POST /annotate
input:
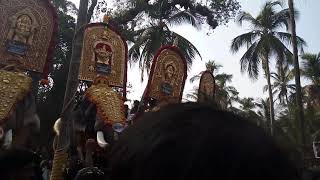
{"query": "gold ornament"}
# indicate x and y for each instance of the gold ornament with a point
(110, 107)
(26, 31)
(14, 86)
(106, 18)
(104, 54)
(167, 78)
(206, 87)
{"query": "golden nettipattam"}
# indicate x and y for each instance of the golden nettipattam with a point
(167, 76)
(26, 34)
(109, 103)
(14, 86)
(104, 53)
(206, 86)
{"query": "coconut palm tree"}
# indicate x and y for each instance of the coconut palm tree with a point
(281, 84)
(247, 107)
(264, 112)
(211, 66)
(158, 33)
(225, 95)
(295, 44)
(311, 70)
(247, 104)
(311, 67)
(263, 42)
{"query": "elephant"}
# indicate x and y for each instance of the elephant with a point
(89, 124)
(19, 122)
(22, 126)
(97, 119)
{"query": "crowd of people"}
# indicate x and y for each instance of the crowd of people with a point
(188, 141)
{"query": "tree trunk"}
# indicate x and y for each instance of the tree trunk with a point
(63, 140)
(267, 70)
(91, 9)
(72, 83)
(297, 73)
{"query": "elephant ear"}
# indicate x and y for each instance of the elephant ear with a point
(14, 87)
(109, 104)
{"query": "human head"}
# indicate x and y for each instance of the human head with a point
(103, 52)
(19, 164)
(126, 109)
(191, 142)
(169, 71)
(136, 103)
(90, 173)
(24, 23)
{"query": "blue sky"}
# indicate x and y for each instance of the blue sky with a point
(217, 47)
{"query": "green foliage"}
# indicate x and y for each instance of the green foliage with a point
(311, 71)
(282, 86)
(264, 40)
(311, 67)
(213, 12)
(211, 66)
(50, 98)
(151, 39)
(146, 24)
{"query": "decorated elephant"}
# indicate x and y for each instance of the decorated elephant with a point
(97, 119)
(18, 119)
(103, 62)
(27, 45)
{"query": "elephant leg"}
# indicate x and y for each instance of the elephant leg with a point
(19, 134)
(90, 148)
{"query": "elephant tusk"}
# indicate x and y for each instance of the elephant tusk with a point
(1, 132)
(8, 139)
(100, 139)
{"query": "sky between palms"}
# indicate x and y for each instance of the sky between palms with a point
(217, 47)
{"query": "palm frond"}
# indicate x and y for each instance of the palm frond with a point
(185, 17)
(280, 19)
(250, 61)
(311, 67)
(245, 39)
(223, 78)
(213, 66)
(287, 38)
(187, 48)
(247, 17)
(195, 78)
(134, 51)
(265, 88)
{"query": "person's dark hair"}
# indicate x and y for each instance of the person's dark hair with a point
(15, 160)
(90, 173)
(135, 107)
(192, 142)
(126, 109)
